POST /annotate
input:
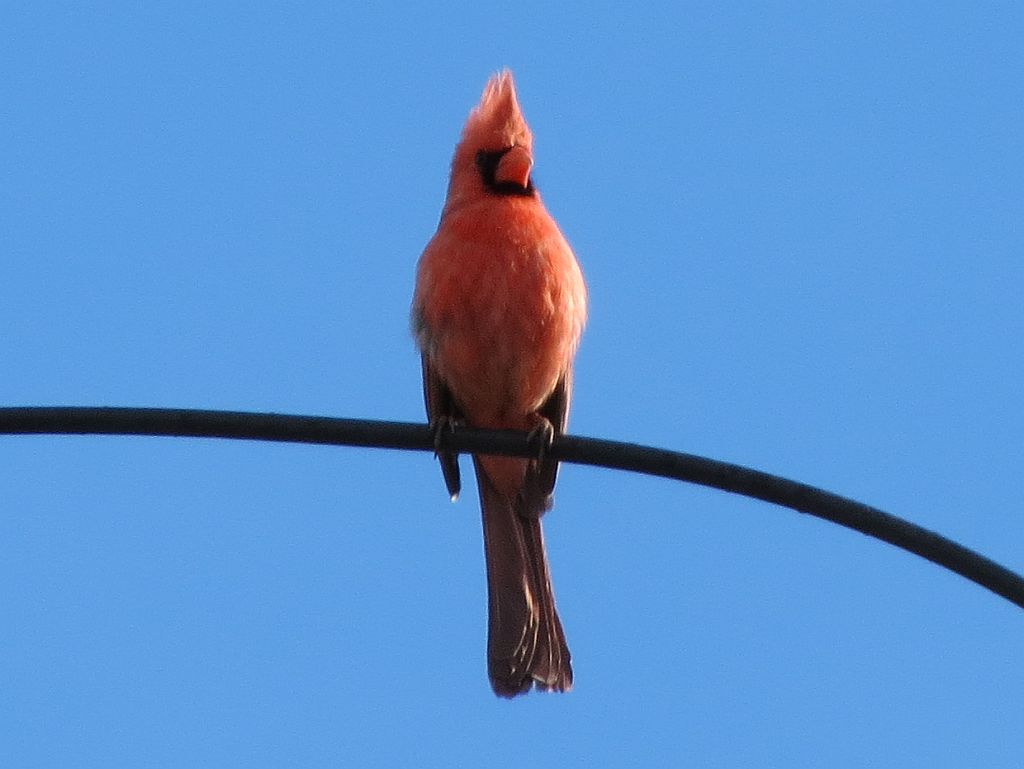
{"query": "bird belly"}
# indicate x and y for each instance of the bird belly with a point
(506, 318)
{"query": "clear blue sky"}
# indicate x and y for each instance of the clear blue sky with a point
(801, 228)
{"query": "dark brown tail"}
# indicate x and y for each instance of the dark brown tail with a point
(525, 641)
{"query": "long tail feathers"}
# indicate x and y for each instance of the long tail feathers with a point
(525, 642)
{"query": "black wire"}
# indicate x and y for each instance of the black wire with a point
(588, 451)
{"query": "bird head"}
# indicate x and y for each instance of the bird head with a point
(495, 154)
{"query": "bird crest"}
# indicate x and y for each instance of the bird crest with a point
(497, 121)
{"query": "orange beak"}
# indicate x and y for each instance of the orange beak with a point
(514, 167)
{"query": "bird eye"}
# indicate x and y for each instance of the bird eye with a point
(487, 162)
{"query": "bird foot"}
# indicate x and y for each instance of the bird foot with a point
(439, 426)
(541, 436)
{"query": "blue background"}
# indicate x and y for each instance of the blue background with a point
(801, 228)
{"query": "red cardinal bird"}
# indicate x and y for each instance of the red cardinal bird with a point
(498, 312)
